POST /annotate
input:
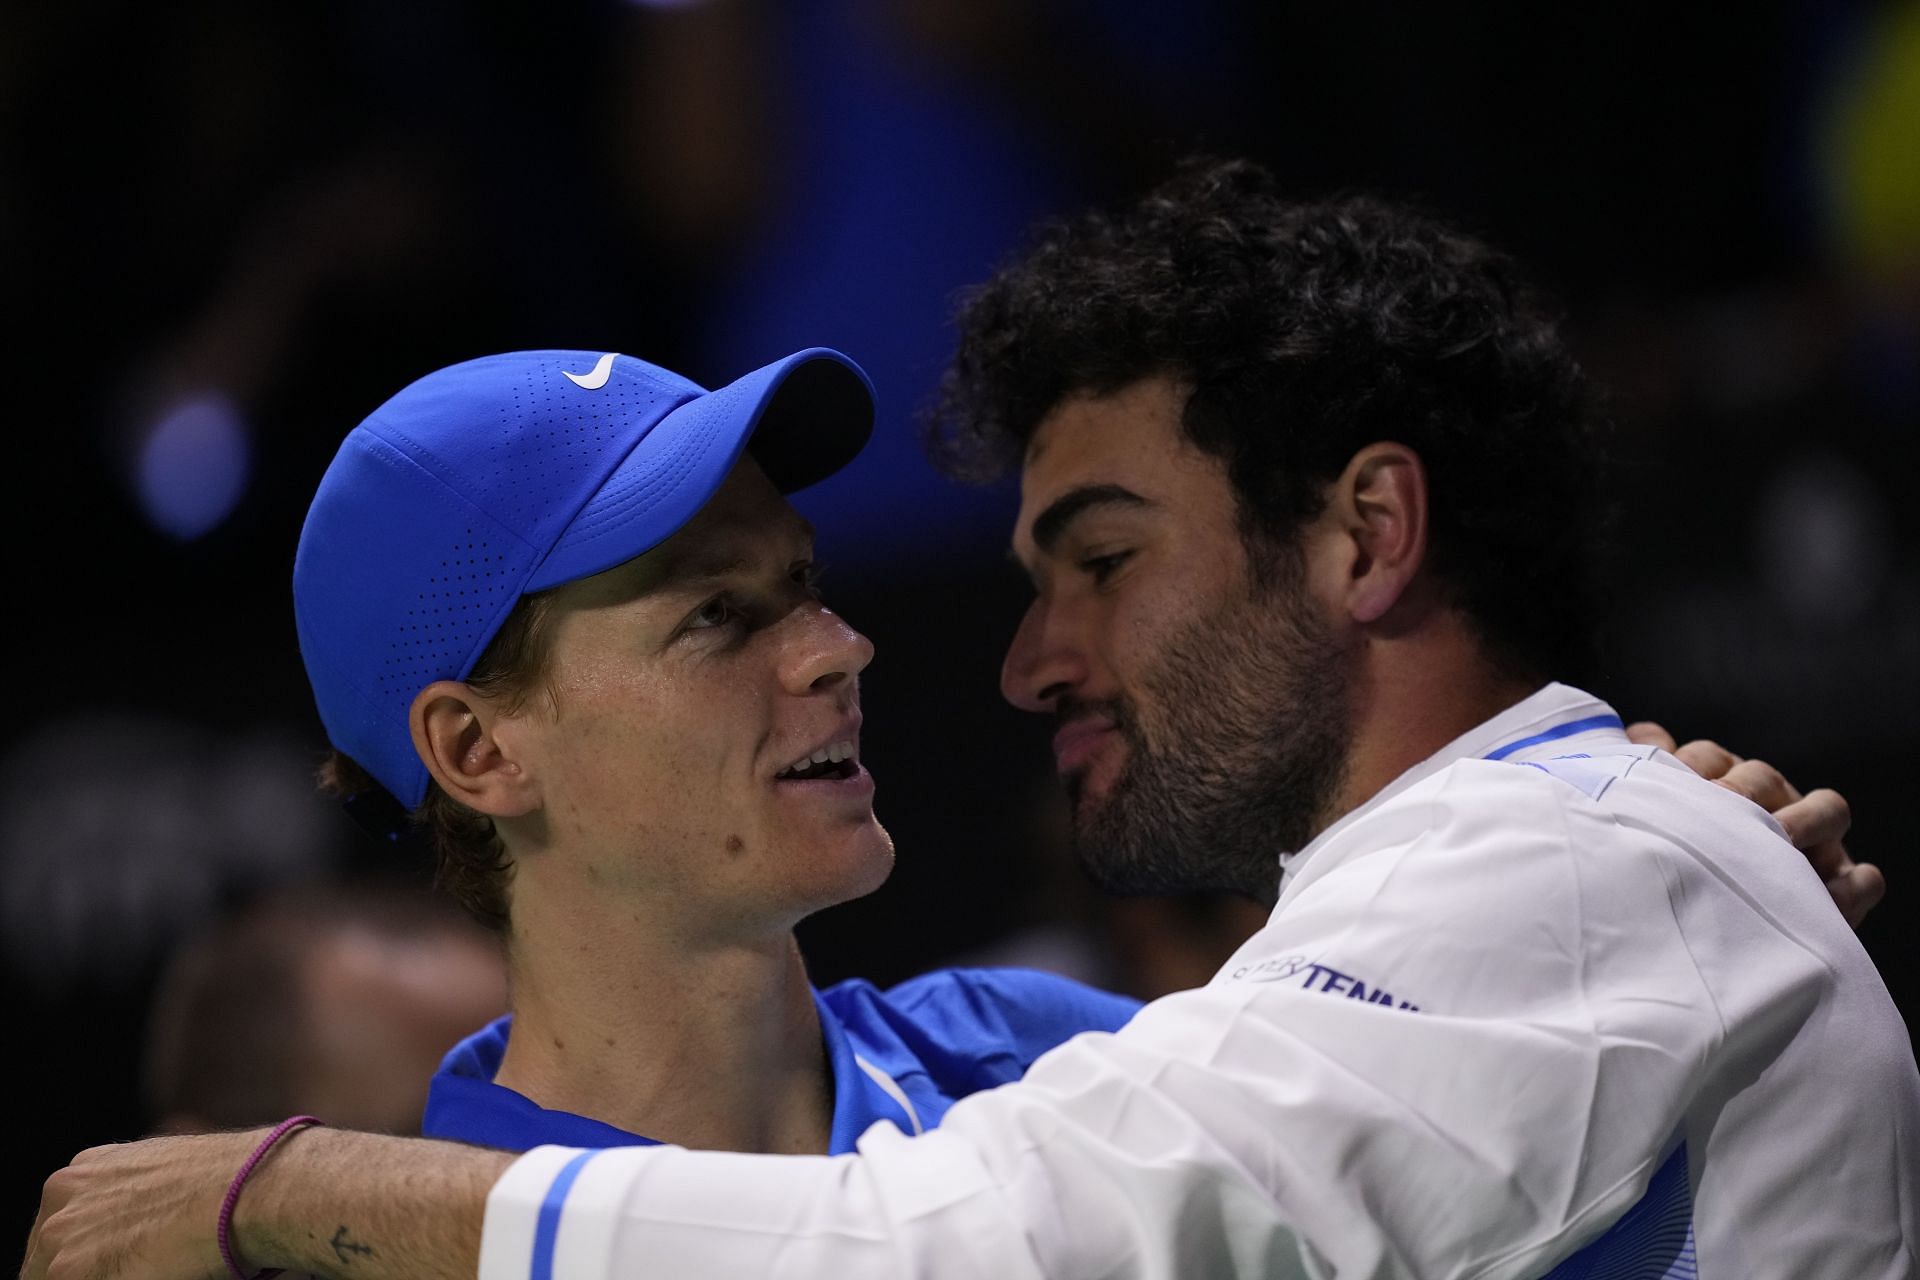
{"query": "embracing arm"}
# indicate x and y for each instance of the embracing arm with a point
(1162, 1141)
(1350, 1096)
(352, 1206)
(1355, 1093)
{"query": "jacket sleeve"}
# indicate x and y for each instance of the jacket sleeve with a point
(1461, 1047)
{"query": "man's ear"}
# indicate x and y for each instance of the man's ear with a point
(1379, 504)
(456, 733)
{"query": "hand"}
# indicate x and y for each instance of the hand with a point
(1814, 822)
(140, 1210)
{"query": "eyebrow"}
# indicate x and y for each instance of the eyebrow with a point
(702, 563)
(1051, 525)
(704, 568)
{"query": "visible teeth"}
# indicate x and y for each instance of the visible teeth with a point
(834, 752)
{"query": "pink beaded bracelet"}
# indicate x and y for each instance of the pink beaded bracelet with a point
(224, 1231)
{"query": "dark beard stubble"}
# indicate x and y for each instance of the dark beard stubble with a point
(1239, 761)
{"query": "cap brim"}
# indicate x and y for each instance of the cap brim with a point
(804, 418)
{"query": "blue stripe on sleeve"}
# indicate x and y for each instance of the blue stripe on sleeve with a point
(547, 1230)
(1566, 730)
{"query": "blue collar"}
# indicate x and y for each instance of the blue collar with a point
(465, 1105)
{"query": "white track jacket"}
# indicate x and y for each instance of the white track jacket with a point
(1547, 1005)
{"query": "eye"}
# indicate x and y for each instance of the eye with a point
(717, 612)
(808, 574)
(1101, 568)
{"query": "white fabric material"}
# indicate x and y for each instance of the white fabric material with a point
(1488, 1004)
(891, 1087)
(506, 1239)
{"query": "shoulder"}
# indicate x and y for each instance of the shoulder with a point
(1473, 829)
(1012, 997)
(1537, 818)
(1489, 885)
(963, 1019)
(1581, 820)
(1500, 884)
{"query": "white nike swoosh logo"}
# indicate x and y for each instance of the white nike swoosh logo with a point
(595, 380)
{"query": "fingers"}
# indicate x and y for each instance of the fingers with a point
(1815, 823)
(1708, 759)
(1648, 734)
(1819, 818)
(1757, 780)
(1857, 891)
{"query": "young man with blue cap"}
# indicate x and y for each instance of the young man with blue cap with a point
(554, 603)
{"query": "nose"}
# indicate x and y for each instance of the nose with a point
(1042, 662)
(828, 652)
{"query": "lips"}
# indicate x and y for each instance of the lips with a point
(1078, 742)
(854, 785)
(833, 758)
(835, 761)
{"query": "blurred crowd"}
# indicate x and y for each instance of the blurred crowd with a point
(229, 230)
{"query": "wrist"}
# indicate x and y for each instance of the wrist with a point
(250, 1245)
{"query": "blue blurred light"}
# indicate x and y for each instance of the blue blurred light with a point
(193, 465)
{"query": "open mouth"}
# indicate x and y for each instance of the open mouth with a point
(832, 763)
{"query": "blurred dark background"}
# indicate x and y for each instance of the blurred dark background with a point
(229, 230)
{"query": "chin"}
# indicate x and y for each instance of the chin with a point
(1090, 787)
(875, 859)
(850, 865)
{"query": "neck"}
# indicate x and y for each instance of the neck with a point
(711, 1045)
(1413, 694)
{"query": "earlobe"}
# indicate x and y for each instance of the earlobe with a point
(1386, 490)
(455, 734)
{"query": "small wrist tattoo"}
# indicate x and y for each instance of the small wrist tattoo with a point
(346, 1248)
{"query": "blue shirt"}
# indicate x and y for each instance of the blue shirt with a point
(905, 1054)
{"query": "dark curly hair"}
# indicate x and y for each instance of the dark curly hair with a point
(1304, 332)
(470, 861)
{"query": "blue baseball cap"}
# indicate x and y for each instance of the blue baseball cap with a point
(514, 473)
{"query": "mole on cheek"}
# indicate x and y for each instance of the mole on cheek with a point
(735, 845)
